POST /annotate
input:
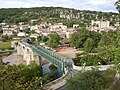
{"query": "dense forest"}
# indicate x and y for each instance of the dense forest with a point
(54, 15)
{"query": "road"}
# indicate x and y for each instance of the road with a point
(68, 53)
(62, 88)
(61, 85)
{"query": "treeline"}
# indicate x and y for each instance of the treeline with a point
(25, 77)
(103, 46)
(52, 14)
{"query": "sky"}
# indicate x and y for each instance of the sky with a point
(94, 5)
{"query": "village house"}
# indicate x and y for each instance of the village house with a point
(75, 25)
(34, 36)
(45, 33)
(8, 30)
(100, 26)
(69, 31)
(35, 27)
(58, 27)
(24, 27)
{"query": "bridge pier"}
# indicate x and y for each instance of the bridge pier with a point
(27, 54)
(35, 53)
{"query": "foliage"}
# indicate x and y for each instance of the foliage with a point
(5, 38)
(83, 35)
(21, 77)
(88, 80)
(65, 41)
(33, 39)
(87, 59)
(28, 31)
(69, 23)
(110, 38)
(39, 38)
(78, 38)
(53, 40)
(53, 71)
(45, 38)
(117, 4)
(107, 54)
(88, 45)
(108, 49)
(107, 46)
(52, 67)
(5, 45)
(1, 30)
(52, 15)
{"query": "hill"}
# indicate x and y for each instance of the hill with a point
(54, 15)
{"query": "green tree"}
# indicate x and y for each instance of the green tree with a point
(69, 23)
(88, 80)
(53, 40)
(53, 71)
(89, 45)
(107, 54)
(33, 39)
(78, 38)
(45, 38)
(21, 77)
(90, 60)
(110, 38)
(1, 30)
(117, 4)
(96, 37)
(5, 38)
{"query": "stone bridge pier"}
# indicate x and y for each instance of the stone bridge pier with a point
(27, 54)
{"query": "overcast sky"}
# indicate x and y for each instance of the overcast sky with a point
(97, 5)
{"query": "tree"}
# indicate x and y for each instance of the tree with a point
(69, 23)
(32, 31)
(89, 45)
(107, 54)
(45, 38)
(1, 30)
(53, 71)
(78, 38)
(88, 80)
(117, 4)
(96, 37)
(21, 77)
(53, 40)
(5, 38)
(33, 39)
(90, 60)
(110, 38)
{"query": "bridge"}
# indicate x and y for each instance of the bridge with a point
(32, 52)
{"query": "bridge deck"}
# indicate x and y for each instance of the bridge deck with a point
(50, 56)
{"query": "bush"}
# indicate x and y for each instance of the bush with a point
(88, 80)
(87, 59)
(5, 45)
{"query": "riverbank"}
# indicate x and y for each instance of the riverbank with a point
(14, 58)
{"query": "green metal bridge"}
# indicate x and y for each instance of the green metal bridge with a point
(59, 61)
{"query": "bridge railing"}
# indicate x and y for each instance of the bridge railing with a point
(54, 56)
(50, 58)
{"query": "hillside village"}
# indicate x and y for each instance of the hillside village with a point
(45, 28)
(56, 48)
